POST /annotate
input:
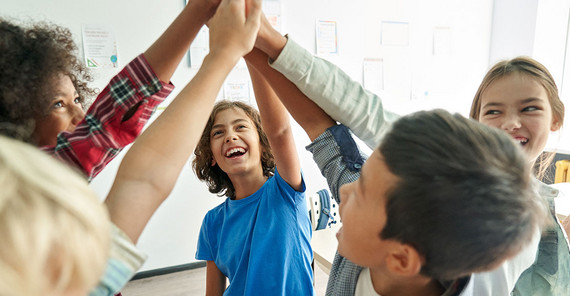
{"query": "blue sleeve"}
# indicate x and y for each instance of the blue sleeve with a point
(287, 191)
(338, 157)
(204, 248)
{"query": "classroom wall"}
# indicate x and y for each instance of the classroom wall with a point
(415, 77)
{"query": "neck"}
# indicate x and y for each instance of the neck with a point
(247, 184)
(389, 284)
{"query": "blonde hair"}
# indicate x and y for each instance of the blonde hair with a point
(55, 233)
(534, 70)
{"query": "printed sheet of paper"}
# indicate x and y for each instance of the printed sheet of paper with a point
(373, 75)
(272, 10)
(395, 33)
(199, 48)
(327, 41)
(100, 46)
(441, 41)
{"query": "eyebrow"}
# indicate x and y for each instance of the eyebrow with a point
(525, 101)
(61, 94)
(219, 125)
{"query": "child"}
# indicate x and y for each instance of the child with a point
(141, 186)
(520, 97)
(428, 250)
(39, 209)
(348, 102)
(259, 238)
(43, 89)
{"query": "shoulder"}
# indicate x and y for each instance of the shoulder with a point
(280, 184)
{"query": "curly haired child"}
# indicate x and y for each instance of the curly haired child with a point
(259, 237)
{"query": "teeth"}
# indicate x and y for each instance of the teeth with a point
(234, 150)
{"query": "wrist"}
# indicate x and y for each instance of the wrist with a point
(204, 10)
(222, 57)
(272, 43)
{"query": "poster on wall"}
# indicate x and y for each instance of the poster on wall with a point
(442, 41)
(327, 41)
(272, 10)
(373, 74)
(199, 48)
(100, 46)
(395, 33)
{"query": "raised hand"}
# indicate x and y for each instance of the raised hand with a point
(234, 27)
(269, 40)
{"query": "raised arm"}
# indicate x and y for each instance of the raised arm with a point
(344, 99)
(167, 51)
(275, 123)
(152, 165)
(311, 118)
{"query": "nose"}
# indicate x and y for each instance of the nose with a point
(511, 122)
(230, 136)
(77, 114)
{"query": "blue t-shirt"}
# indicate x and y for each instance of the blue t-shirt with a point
(262, 243)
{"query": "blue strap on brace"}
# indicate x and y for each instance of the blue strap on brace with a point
(325, 215)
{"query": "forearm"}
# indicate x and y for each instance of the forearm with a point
(311, 118)
(274, 116)
(269, 40)
(344, 99)
(275, 123)
(167, 51)
(338, 158)
(152, 165)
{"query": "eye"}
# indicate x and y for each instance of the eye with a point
(241, 126)
(530, 108)
(492, 112)
(216, 133)
(78, 101)
(57, 105)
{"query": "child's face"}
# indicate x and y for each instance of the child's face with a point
(519, 105)
(234, 142)
(363, 213)
(64, 114)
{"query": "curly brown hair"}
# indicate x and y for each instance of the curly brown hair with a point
(31, 59)
(217, 180)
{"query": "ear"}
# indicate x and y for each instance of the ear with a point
(555, 126)
(404, 260)
(213, 162)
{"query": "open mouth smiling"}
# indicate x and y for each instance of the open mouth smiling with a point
(521, 140)
(235, 152)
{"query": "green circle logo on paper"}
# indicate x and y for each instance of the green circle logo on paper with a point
(114, 58)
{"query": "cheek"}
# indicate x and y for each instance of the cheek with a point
(540, 126)
(47, 129)
(494, 122)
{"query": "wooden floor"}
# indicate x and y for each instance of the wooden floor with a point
(192, 282)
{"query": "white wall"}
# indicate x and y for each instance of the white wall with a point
(539, 29)
(447, 81)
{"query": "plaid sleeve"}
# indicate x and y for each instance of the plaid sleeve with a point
(338, 157)
(105, 131)
(340, 162)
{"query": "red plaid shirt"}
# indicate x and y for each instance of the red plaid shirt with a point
(102, 134)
